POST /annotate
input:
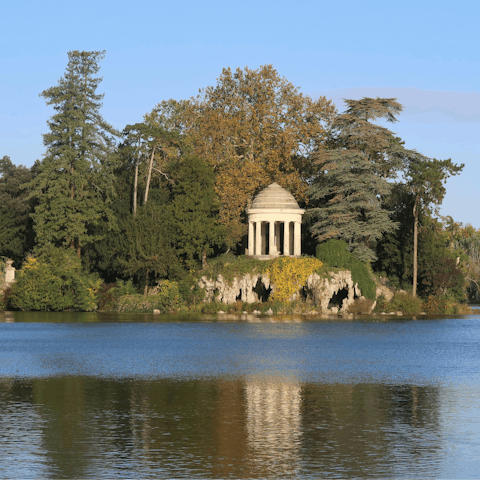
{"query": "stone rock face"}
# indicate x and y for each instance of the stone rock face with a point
(385, 291)
(333, 294)
(242, 288)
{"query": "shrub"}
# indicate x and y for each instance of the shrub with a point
(166, 300)
(442, 305)
(290, 274)
(406, 303)
(335, 253)
(55, 282)
(190, 292)
(382, 305)
(361, 306)
(109, 294)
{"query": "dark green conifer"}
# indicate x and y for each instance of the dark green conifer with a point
(74, 183)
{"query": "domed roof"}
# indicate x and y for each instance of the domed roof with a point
(275, 197)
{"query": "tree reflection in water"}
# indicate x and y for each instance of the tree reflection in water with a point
(256, 427)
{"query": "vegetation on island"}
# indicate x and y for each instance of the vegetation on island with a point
(130, 220)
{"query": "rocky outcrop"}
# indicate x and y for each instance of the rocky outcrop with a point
(332, 294)
(247, 288)
(383, 290)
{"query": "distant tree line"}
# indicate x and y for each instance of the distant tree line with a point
(159, 198)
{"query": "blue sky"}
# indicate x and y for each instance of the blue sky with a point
(424, 53)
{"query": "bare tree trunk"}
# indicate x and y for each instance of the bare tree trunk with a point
(415, 245)
(149, 176)
(145, 291)
(204, 260)
(135, 188)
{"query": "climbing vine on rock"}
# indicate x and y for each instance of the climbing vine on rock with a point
(290, 274)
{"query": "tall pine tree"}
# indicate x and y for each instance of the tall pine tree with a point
(75, 181)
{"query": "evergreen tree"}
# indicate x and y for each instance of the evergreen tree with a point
(74, 183)
(16, 234)
(351, 182)
(346, 198)
(194, 213)
(145, 252)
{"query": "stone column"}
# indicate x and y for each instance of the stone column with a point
(271, 237)
(297, 242)
(286, 238)
(258, 238)
(251, 239)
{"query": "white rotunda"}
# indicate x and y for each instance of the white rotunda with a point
(274, 224)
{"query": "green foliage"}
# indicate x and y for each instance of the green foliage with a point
(438, 272)
(144, 247)
(381, 305)
(351, 182)
(345, 198)
(335, 253)
(16, 234)
(190, 292)
(55, 282)
(443, 305)
(109, 294)
(230, 266)
(405, 303)
(395, 249)
(193, 212)
(425, 179)
(167, 300)
(74, 184)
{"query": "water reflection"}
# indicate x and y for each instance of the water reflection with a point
(273, 419)
(79, 427)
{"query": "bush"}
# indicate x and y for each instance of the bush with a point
(109, 294)
(382, 305)
(290, 274)
(335, 253)
(167, 300)
(405, 303)
(190, 292)
(55, 282)
(361, 306)
(442, 305)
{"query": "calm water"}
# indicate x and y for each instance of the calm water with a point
(85, 395)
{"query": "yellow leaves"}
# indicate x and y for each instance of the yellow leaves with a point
(29, 265)
(290, 274)
(254, 128)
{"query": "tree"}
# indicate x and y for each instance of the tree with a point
(346, 194)
(145, 251)
(253, 128)
(74, 184)
(157, 146)
(425, 179)
(354, 130)
(350, 184)
(16, 234)
(55, 281)
(193, 213)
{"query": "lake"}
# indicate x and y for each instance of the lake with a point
(100, 395)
